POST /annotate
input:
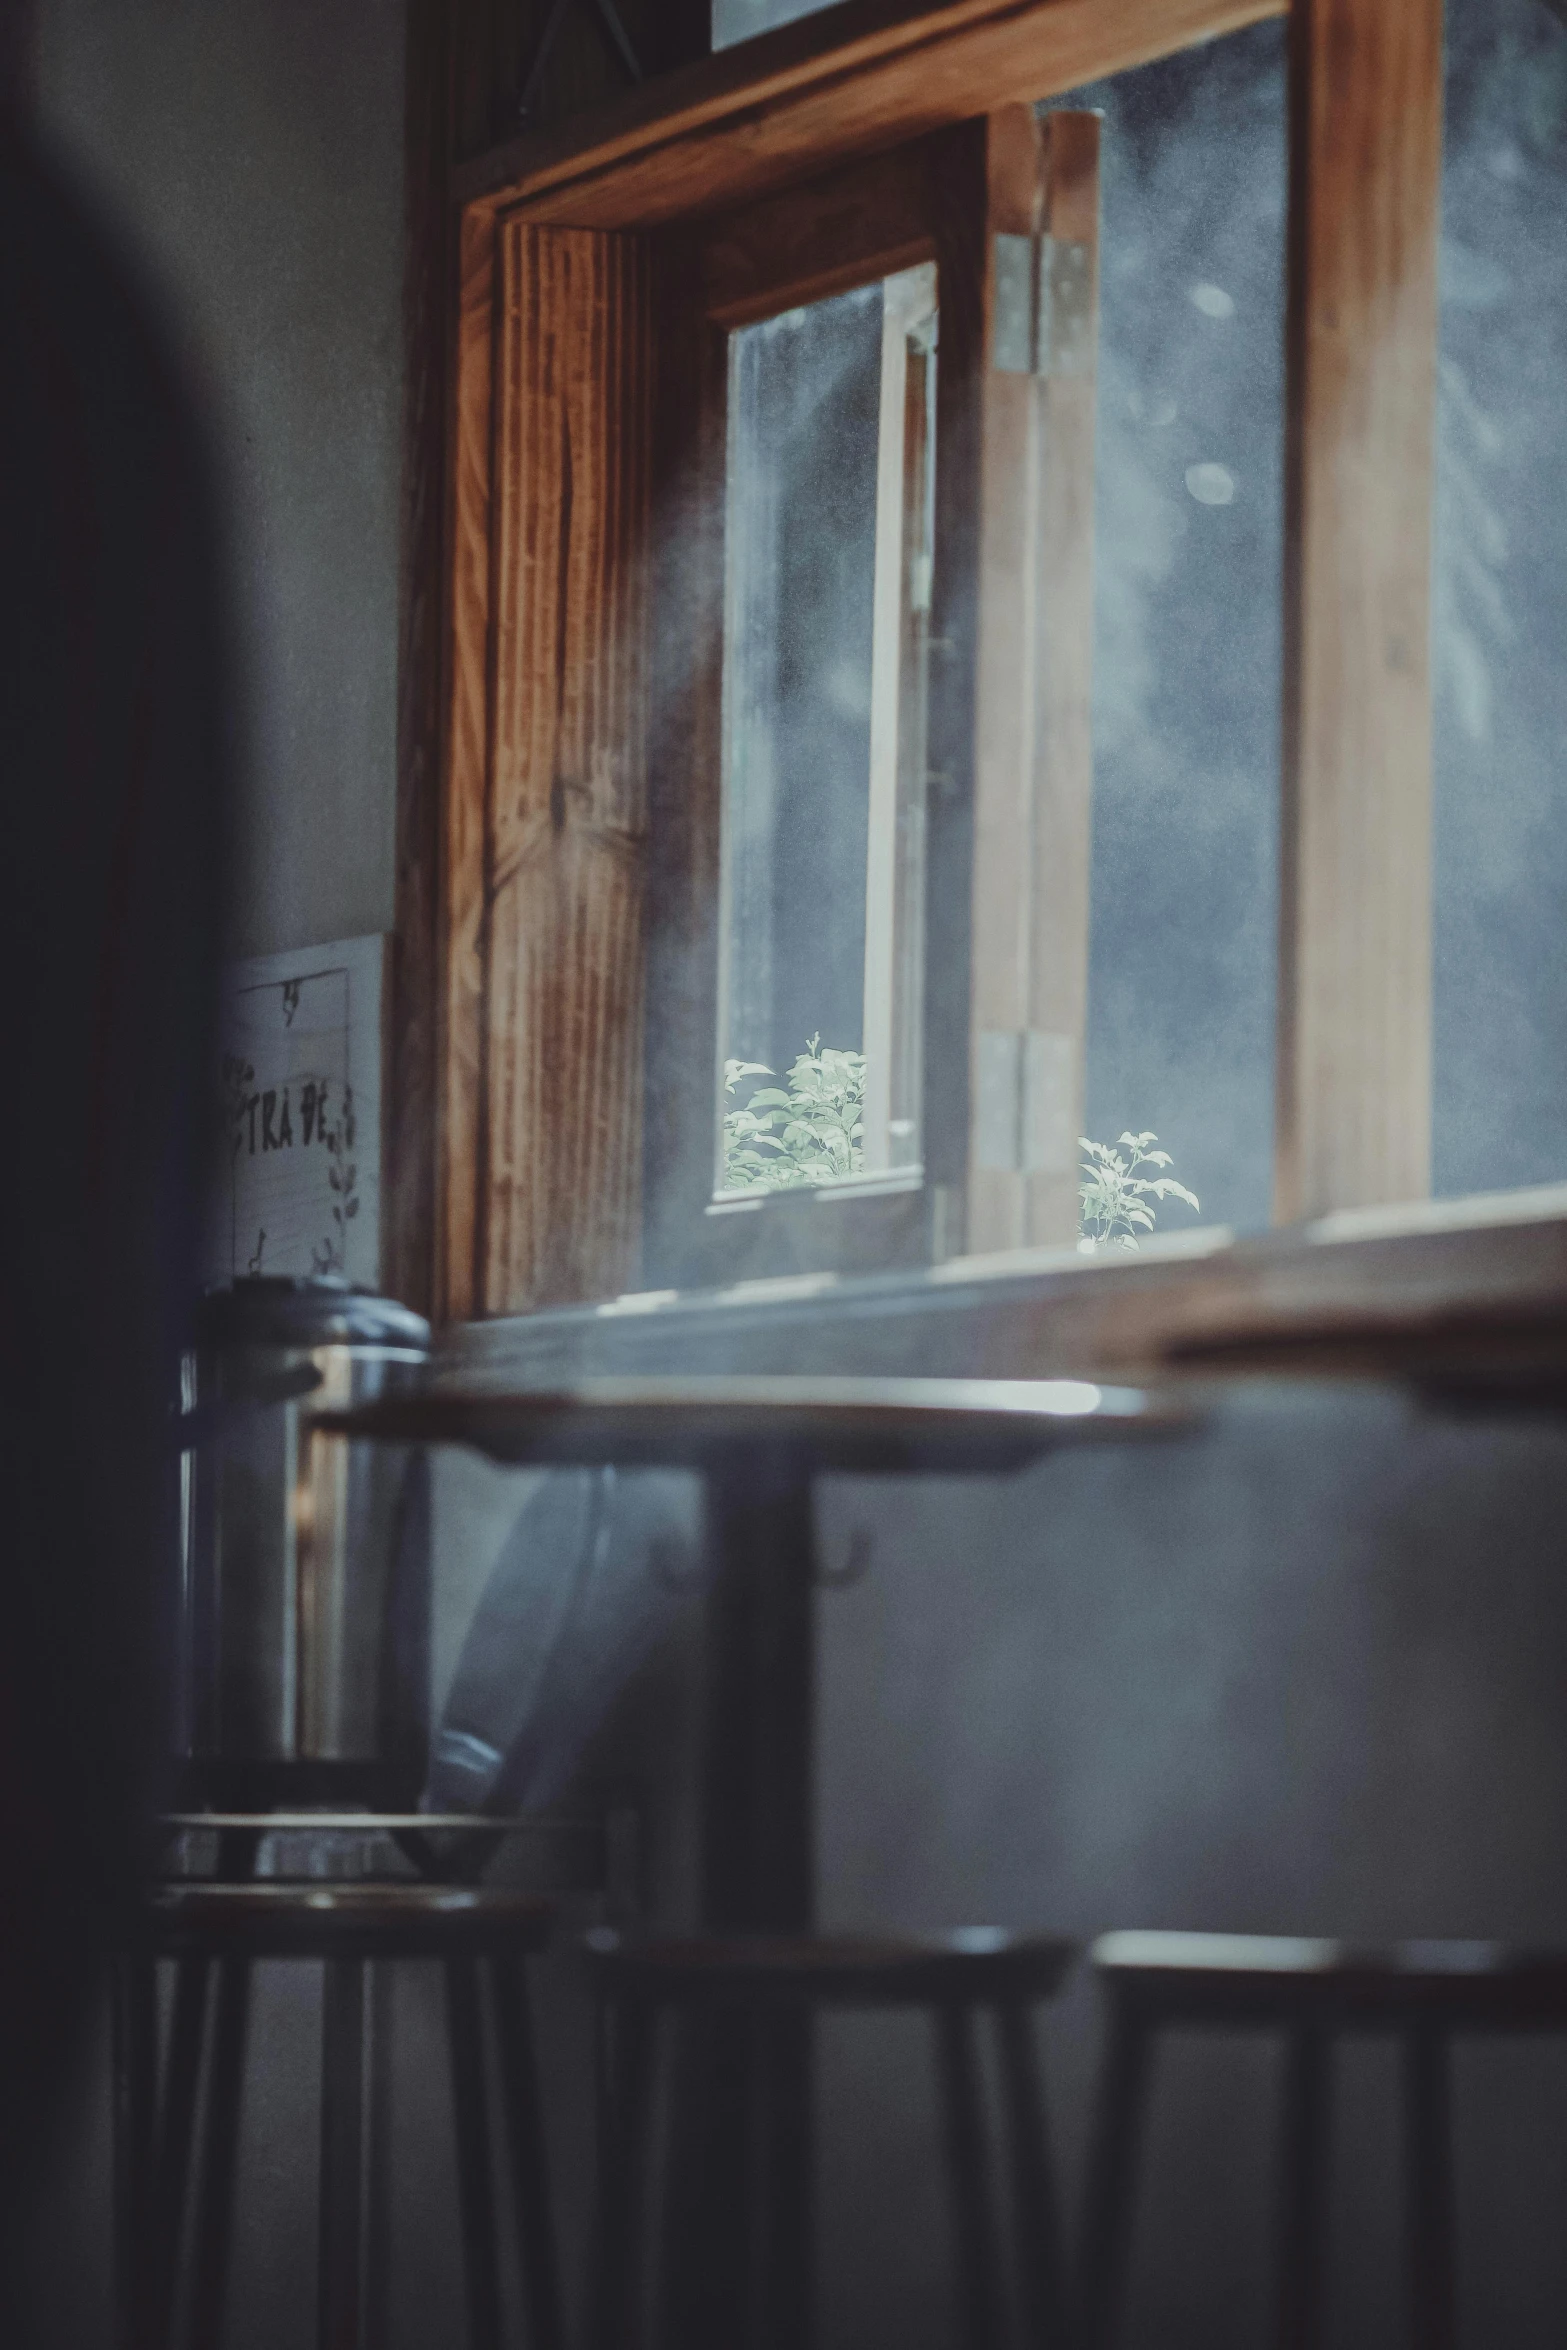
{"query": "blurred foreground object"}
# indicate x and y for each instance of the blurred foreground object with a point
(115, 718)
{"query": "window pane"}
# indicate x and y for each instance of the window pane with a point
(1186, 715)
(737, 20)
(1499, 1110)
(828, 526)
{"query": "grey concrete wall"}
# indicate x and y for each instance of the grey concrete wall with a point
(252, 151)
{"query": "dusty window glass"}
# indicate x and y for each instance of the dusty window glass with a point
(827, 598)
(737, 20)
(1187, 620)
(1499, 622)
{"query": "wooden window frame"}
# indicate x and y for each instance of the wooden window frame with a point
(850, 228)
(718, 143)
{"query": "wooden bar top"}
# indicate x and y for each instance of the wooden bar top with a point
(941, 1426)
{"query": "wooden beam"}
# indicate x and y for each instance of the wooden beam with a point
(844, 82)
(820, 238)
(1033, 765)
(461, 1155)
(559, 1204)
(1354, 1065)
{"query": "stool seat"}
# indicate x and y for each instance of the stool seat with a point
(1280, 1979)
(745, 2004)
(976, 1965)
(177, 2155)
(268, 1919)
(1310, 1992)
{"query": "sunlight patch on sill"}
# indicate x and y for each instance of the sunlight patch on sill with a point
(1545, 1203)
(874, 1186)
(1208, 1240)
(775, 1288)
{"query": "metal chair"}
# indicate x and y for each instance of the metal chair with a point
(753, 1997)
(1313, 1992)
(172, 2223)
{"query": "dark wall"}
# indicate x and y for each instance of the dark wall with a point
(253, 151)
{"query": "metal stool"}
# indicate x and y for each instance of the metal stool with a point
(222, 1929)
(757, 1994)
(1425, 1992)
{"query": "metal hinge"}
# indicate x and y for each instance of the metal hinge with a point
(1043, 307)
(1025, 1094)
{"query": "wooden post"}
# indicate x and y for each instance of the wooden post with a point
(1354, 1065)
(1033, 755)
(560, 1150)
(460, 1171)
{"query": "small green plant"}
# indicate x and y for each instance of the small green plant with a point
(1118, 1201)
(811, 1133)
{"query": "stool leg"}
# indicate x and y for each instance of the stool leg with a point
(1037, 2218)
(135, 2030)
(1112, 2161)
(963, 2141)
(220, 2154)
(475, 2183)
(176, 2129)
(530, 2166)
(708, 2220)
(1303, 2212)
(783, 2205)
(379, 2067)
(625, 2071)
(340, 2267)
(1428, 2155)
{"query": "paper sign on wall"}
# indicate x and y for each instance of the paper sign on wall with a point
(300, 1184)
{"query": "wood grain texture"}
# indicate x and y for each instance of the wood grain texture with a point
(862, 221)
(845, 82)
(1034, 750)
(459, 1288)
(559, 1203)
(1354, 1070)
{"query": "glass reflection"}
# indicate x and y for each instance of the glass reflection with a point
(827, 600)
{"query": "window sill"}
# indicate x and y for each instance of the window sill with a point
(1044, 1311)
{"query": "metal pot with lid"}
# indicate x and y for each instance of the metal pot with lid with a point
(305, 1558)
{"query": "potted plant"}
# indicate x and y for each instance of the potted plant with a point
(810, 1133)
(1118, 1201)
